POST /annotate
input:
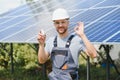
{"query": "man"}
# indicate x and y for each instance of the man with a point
(64, 48)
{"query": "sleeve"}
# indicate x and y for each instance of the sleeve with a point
(49, 45)
(83, 47)
(81, 43)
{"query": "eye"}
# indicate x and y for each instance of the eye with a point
(56, 22)
(63, 22)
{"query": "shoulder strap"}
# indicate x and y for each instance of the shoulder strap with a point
(55, 42)
(69, 41)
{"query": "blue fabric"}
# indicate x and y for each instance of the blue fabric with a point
(61, 56)
(59, 75)
(59, 60)
(75, 47)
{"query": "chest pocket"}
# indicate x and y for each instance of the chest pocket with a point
(61, 56)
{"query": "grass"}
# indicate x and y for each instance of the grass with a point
(35, 73)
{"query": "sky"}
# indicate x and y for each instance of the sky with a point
(6, 5)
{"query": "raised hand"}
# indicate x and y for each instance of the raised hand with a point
(79, 29)
(41, 38)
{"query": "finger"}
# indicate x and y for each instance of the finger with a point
(40, 36)
(41, 39)
(76, 28)
(80, 23)
(42, 32)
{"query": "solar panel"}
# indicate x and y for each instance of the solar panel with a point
(101, 18)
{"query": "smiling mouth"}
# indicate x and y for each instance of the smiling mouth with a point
(60, 29)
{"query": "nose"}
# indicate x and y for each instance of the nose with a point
(60, 24)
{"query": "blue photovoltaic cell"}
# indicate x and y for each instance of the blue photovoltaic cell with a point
(101, 19)
(110, 3)
(115, 38)
(19, 11)
(83, 4)
(2, 19)
(100, 33)
(90, 15)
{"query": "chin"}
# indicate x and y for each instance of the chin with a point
(61, 32)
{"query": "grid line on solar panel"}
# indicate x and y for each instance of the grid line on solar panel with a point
(108, 17)
(99, 26)
(18, 11)
(14, 25)
(95, 29)
(114, 39)
(84, 10)
(92, 8)
(21, 36)
(114, 16)
(13, 10)
(103, 20)
(109, 3)
(47, 33)
(95, 17)
(62, 4)
(99, 29)
(22, 8)
(23, 13)
(12, 18)
(14, 14)
(81, 4)
(111, 37)
(5, 22)
(117, 38)
(75, 10)
(17, 20)
(13, 36)
(108, 32)
(103, 16)
(20, 31)
(88, 22)
(102, 30)
(91, 15)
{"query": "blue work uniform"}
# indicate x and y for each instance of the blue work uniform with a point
(61, 56)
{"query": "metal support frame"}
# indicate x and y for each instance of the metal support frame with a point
(44, 70)
(107, 67)
(88, 68)
(11, 58)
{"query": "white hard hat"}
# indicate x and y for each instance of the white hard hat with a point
(60, 13)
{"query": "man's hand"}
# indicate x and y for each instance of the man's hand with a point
(79, 29)
(41, 38)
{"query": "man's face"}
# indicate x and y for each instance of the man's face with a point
(61, 25)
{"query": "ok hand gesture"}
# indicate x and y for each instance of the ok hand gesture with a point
(79, 29)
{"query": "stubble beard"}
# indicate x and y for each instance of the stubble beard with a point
(62, 32)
